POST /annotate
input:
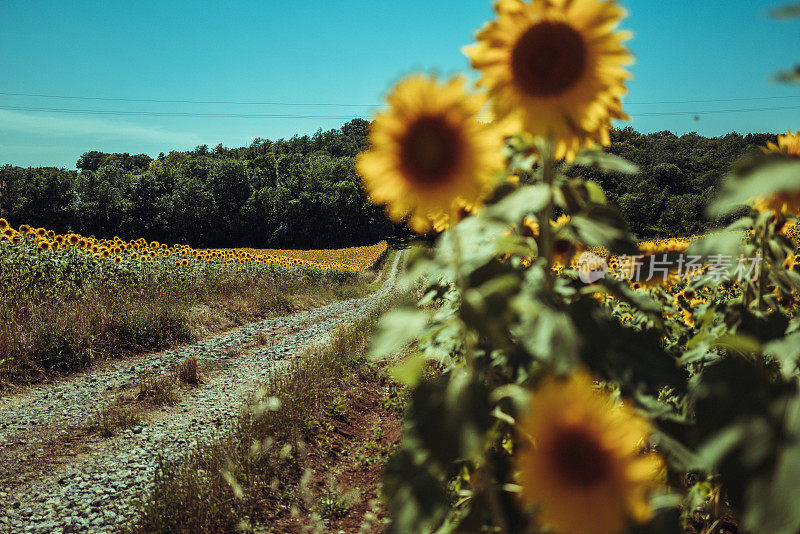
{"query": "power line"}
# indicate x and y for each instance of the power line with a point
(711, 111)
(340, 117)
(710, 100)
(334, 104)
(153, 100)
(172, 113)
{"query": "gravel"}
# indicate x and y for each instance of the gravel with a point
(90, 490)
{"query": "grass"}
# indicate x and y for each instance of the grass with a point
(260, 472)
(187, 371)
(160, 390)
(64, 317)
(153, 391)
(109, 419)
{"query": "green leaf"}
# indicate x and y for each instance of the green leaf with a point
(746, 425)
(767, 176)
(603, 226)
(741, 343)
(596, 193)
(409, 370)
(396, 330)
(548, 334)
(417, 497)
(777, 511)
(449, 417)
(785, 350)
(634, 359)
(526, 200)
(605, 161)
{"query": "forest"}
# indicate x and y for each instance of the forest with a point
(304, 193)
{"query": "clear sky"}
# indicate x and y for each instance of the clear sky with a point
(338, 52)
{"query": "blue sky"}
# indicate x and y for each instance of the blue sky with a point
(339, 52)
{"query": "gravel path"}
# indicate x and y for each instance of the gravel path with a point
(60, 478)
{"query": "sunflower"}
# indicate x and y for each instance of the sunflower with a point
(460, 211)
(555, 68)
(429, 152)
(3, 224)
(564, 249)
(788, 144)
(584, 463)
(783, 201)
(660, 262)
(45, 245)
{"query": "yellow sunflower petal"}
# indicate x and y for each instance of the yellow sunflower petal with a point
(556, 68)
(585, 467)
(429, 151)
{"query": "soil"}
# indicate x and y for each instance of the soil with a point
(351, 452)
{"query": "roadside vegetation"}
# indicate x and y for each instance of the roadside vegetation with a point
(67, 307)
(307, 451)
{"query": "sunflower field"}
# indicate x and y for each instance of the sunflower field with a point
(584, 382)
(116, 250)
(69, 300)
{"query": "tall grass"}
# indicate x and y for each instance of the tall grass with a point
(257, 466)
(61, 313)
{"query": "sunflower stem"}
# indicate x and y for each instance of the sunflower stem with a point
(763, 250)
(546, 248)
(488, 485)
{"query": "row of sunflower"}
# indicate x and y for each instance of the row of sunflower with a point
(352, 259)
(567, 399)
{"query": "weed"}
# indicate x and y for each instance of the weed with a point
(332, 506)
(231, 352)
(338, 405)
(187, 371)
(109, 419)
(159, 390)
(396, 400)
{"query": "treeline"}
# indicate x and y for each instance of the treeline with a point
(678, 177)
(303, 192)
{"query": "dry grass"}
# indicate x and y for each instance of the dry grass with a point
(159, 390)
(108, 420)
(259, 464)
(46, 330)
(187, 371)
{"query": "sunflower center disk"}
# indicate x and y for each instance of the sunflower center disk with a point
(548, 59)
(431, 150)
(579, 458)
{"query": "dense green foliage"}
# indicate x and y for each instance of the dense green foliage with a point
(678, 178)
(304, 192)
(301, 192)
